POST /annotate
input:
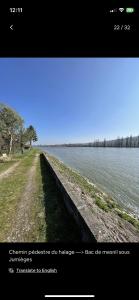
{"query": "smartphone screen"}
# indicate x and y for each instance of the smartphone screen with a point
(69, 150)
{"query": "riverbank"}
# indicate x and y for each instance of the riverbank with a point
(111, 222)
(32, 207)
(115, 171)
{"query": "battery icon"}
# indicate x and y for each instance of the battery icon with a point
(130, 9)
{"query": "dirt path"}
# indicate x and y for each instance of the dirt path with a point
(22, 223)
(9, 171)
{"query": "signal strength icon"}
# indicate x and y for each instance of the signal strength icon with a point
(113, 10)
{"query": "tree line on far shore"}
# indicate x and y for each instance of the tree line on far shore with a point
(14, 136)
(127, 142)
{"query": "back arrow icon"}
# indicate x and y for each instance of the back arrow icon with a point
(11, 27)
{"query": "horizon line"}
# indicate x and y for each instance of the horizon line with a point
(96, 140)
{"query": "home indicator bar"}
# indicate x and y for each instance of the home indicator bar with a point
(69, 296)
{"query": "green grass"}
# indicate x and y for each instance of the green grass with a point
(102, 204)
(19, 155)
(5, 165)
(37, 212)
(60, 226)
(128, 218)
(49, 219)
(11, 189)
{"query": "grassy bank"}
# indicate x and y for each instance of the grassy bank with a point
(30, 193)
(60, 226)
(48, 218)
(5, 165)
(11, 189)
(102, 200)
(37, 212)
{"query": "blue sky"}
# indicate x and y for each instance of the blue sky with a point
(73, 99)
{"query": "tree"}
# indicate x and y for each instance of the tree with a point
(31, 135)
(23, 139)
(130, 141)
(121, 142)
(127, 141)
(1, 142)
(104, 143)
(138, 141)
(10, 125)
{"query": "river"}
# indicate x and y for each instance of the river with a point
(114, 170)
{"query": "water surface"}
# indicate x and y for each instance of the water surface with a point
(114, 170)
